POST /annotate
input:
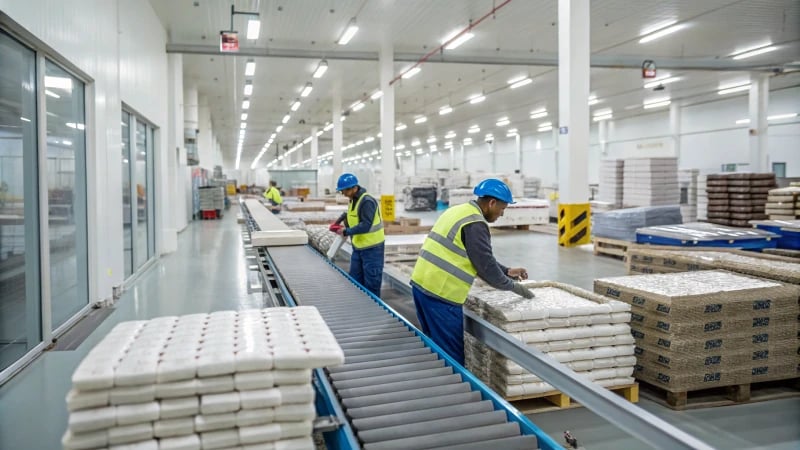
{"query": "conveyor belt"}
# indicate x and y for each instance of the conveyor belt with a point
(396, 391)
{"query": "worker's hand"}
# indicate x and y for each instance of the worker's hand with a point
(522, 291)
(333, 227)
(518, 273)
(339, 230)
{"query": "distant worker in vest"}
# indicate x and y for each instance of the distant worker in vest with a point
(457, 249)
(273, 196)
(365, 228)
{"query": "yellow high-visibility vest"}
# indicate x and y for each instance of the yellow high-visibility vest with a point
(375, 234)
(443, 268)
(273, 194)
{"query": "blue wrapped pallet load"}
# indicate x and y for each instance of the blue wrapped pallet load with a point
(789, 231)
(707, 235)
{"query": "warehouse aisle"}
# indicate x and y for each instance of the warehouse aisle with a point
(207, 273)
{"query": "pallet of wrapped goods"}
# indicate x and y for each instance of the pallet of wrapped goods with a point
(706, 235)
(783, 203)
(219, 380)
(621, 224)
(611, 181)
(306, 206)
(707, 329)
(587, 332)
(736, 198)
(651, 182)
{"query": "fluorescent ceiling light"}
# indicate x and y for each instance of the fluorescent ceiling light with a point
(661, 81)
(477, 99)
(401, 127)
(411, 72)
(51, 93)
(458, 40)
(24, 119)
(592, 101)
(539, 113)
(742, 121)
(279, 129)
(602, 117)
(731, 89)
(546, 124)
(296, 105)
(433, 148)
(520, 83)
(349, 32)
(467, 141)
(431, 140)
(400, 147)
(782, 116)
(250, 68)
(243, 125)
(546, 128)
(248, 89)
(246, 104)
(474, 129)
(66, 142)
(342, 119)
(415, 143)
(328, 127)
(379, 135)
(359, 142)
(322, 67)
(376, 95)
(448, 144)
(358, 106)
(285, 118)
(58, 82)
(502, 122)
(272, 136)
(307, 140)
(253, 28)
(656, 103)
(419, 151)
(450, 135)
(306, 90)
(244, 116)
(512, 132)
(445, 110)
(420, 119)
(488, 137)
(369, 139)
(659, 32)
(77, 126)
(758, 51)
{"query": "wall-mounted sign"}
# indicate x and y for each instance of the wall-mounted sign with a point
(228, 41)
(563, 130)
(648, 68)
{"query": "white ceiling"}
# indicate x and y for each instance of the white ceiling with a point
(519, 39)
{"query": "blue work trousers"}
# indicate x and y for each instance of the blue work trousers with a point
(442, 322)
(366, 267)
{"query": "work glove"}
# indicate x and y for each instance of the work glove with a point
(522, 291)
(334, 227)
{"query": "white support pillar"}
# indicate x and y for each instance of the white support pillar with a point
(386, 67)
(759, 102)
(338, 129)
(452, 159)
(490, 146)
(602, 136)
(314, 148)
(573, 105)
(519, 152)
(463, 160)
(675, 129)
(414, 163)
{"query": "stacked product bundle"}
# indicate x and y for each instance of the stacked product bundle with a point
(783, 204)
(211, 198)
(611, 182)
(687, 180)
(304, 206)
(702, 197)
(420, 198)
(461, 195)
(311, 217)
(651, 182)
(531, 187)
(588, 333)
(698, 330)
(622, 223)
(736, 198)
(208, 381)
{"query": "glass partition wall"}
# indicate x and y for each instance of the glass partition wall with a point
(138, 200)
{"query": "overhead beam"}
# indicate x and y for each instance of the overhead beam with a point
(550, 60)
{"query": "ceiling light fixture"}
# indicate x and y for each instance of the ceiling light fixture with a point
(400, 147)
(520, 82)
(322, 67)
(660, 31)
(477, 99)
(349, 32)
(243, 125)
(445, 110)
(601, 117)
(285, 118)
(450, 135)
(51, 93)
(369, 139)
(420, 119)
(250, 68)
(474, 129)
(357, 106)
(539, 113)
(246, 104)
(656, 102)
(666, 79)
(410, 73)
(328, 127)
(400, 127)
(306, 90)
(279, 128)
(415, 143)
(248, 89)
(253, 28)
(512, 132)
(502, 122)
(467, 141)
(272, 136)
(431, 140)
(455, 42)
(296, 105)
(244, 116)
(592, 100)
(319, 133)
(730, 89)
(376, 95)
(307, 140)
(754, 52)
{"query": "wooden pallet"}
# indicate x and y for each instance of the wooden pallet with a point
(556, 400)
(614, 248)
(722, 396)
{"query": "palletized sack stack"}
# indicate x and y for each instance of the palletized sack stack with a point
(702, 197)
(698, 330)
(587, 332)
(208, 381)
(783, 204)
(736, 198)
(687, 179)
(651, 182)
(611, 181)
(718, 199)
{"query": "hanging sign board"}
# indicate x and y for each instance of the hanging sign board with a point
(228, 41)
(649, 69)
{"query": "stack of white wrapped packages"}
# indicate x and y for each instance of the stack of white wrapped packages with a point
(219, 380)
(588, 333)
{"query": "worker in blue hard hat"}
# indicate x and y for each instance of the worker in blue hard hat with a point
(458, 249)
(365, 228)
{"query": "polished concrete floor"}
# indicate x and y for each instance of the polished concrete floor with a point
(208, 273)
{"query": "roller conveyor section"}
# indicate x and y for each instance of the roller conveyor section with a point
(396, 391)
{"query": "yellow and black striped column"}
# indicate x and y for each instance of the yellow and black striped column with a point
(574, 224)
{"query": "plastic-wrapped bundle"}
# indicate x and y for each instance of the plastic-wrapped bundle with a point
(623, 223)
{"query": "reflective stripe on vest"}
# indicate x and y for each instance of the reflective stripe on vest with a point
(443, 268)
(375, 235)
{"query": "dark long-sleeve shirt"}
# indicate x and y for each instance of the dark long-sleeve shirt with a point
(366, 214)
(478, 242)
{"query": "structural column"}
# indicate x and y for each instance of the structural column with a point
(452, 158)
(386, 64)
(337, 130)
(759, 102)
(463, 159)
(675, 129)
(602, 136)
(573, 121)
(518, 139)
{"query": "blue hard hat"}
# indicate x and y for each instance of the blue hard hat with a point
(492, 187)
(346, 181)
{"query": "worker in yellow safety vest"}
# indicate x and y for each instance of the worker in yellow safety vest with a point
(273, 196)
(458, 249)
(365, 228)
